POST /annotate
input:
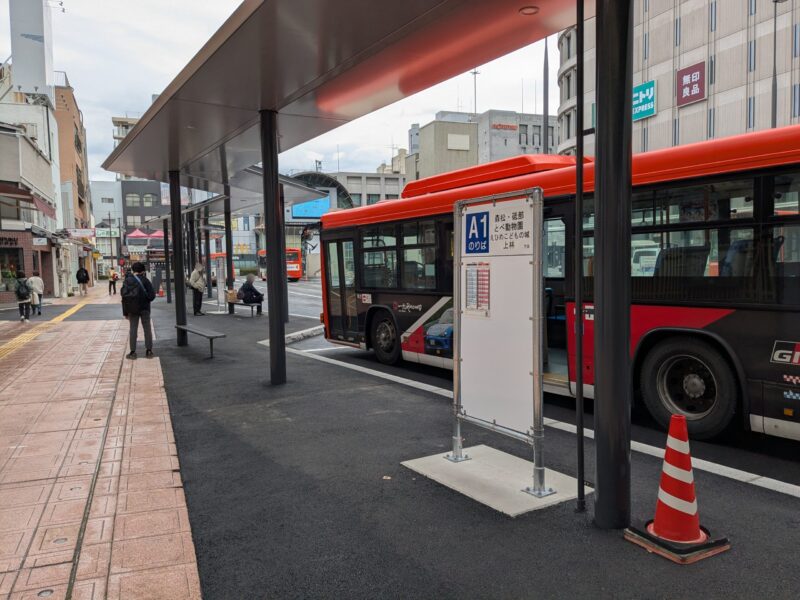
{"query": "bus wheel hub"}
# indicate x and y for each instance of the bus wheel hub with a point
(693, 385)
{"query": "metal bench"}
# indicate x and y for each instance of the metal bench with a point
(252, 306)
(206, 333)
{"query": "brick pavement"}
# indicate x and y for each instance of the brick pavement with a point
(91, 499)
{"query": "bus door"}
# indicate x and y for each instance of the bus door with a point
(341, 284)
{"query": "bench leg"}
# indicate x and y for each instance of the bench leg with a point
(211, 341)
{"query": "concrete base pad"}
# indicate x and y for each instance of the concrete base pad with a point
(495, 479)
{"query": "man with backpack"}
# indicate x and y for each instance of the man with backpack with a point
(23, 293)
(137, 293)
(82, 277)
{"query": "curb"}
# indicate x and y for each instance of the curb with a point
(297, 336)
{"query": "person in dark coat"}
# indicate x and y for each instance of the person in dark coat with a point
(137, 293)
(249, 294)
(82, 277)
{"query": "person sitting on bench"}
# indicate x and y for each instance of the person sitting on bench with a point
(248, 293)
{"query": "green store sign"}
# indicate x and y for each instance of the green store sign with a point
(644, 100)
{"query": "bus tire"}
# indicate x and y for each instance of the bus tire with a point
(384, 337)
(685, 375)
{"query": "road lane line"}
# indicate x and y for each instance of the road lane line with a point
(769, 483)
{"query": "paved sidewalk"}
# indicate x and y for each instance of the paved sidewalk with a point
(91, 499)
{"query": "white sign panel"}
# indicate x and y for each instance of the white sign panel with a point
(496, 340)
(38, 241)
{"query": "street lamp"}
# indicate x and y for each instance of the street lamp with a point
(775, 61)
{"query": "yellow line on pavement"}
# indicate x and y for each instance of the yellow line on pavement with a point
(23, 338)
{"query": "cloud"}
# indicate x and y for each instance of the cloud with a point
(117, 53)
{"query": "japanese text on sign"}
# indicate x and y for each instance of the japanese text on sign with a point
(691, 84)
(477, 284)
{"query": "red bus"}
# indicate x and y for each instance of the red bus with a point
(294, 263)
(715, 266)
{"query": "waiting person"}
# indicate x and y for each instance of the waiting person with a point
(137, 293)
(113, 277)
(23, 293)
(249, 294)
(197, 281)
(82, 276)
(37, 293)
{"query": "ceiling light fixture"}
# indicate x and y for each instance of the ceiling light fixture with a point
(528, 10)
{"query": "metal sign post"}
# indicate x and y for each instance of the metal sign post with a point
(222, 306)
(497, 284)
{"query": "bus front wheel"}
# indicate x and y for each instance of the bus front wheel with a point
(384, 338)
(689, 377)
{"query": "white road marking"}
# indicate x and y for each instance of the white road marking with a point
(774, 485)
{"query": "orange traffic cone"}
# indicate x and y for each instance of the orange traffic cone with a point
(675, 532)
(160, 291)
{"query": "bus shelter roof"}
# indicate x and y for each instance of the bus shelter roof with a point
(318, 64)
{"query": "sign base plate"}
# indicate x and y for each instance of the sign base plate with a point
(495, 479)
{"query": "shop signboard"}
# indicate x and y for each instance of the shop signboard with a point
(644, 100)
(691, 84)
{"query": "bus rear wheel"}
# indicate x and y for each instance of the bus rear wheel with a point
(689, 377)
(384, 339)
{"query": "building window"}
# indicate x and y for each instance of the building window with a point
(645, 45)
(796, 100)
(712, 69)
(245, 223)
(133, 200)
(106, 200)
(644, 139)
(392, 196)
(149, 200)
(568, 87)
(676, 132)
(568, 45)
(646, 5)
(796, 40)
(567, 126)
(523, 134)
(751, 112)
(356, 198)
(133, 220)
(711, 115)
(678, 31)
(550, 137)
(712, 16)
(373, 198)
(537, 135)
(751, 55)
(752, 7)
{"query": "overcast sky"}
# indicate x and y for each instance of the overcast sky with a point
(117, 53)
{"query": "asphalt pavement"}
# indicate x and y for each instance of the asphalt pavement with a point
(297, 491)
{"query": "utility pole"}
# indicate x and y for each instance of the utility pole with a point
(546, 103)
(475, 74)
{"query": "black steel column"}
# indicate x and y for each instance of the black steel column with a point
(578, 249)
(166, 262)
(177, 252)
(191, 241)
(273, 217)
(612, 264)
(284, 276)
(208, 258)
(229, 279)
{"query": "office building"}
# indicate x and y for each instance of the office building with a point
(456, 140)
(702, 69)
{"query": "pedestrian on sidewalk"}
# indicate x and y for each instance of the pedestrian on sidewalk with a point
(23, 293)
(37, 293)
(82, 277)
(137, 293)
(197, 281)
(113, 277)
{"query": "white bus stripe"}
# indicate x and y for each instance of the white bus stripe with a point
(689, 508)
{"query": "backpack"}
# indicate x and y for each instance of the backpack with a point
(131, 293)
(23, 291)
